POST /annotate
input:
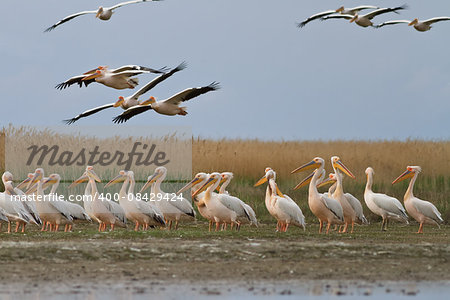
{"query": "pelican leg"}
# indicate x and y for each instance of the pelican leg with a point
(170, 225)
(176, 224)
(210, 225)
(23, 227)
(43, 227)
(420, 228)
(0, 226)
(112, 226)
(382, 224)
(136, 228)
(345, 228)
(66, 227)
(99, 227)
(328, 228)
(17, 227)
(336, 227)
(217, 226)
(9, 226)
(320, 226)
(353, 225)
(286, 228)
(56, 227)
(386, 224)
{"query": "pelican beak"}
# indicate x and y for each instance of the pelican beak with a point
(91, 173)
(96, 74)
(48, 182)
(338, 164)
(261, 181)
(149, 182)
(209, 182)
(220, 183)
(327, 181)
(305, 181)
(405, 175)
(353, 19)
(93, 71)
(308, 166)
(36, 177)
(340, 9)
(279, 193)
(413, 22)
(189, 185)
(83, 178)
(32, 189)
(119, 178)
(23, 183)
(119, 102)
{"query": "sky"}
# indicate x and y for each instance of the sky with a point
(328, 80)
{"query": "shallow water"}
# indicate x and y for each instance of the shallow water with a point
(316, 290)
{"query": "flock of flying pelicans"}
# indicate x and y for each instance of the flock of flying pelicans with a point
(353, 14)
(213, 202)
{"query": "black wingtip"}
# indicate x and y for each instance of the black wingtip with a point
(60, 86)
(301, 25)
(214, 85)
(181, 66)
(69, 121)
(49, 29)
(119, 120)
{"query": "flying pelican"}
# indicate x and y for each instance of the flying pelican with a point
(103, 13)
(422, 211)
(418, 25)
(383, 205)
(120, 78)
(50, 209)
(139, 211)
(224, 208)
(349, 11)
(172, 206)
(326, 209)
(352, 200)
(127, 102)
(281, 206)
(167, 107)
(195, 184)
(226, 179)
(364, 20)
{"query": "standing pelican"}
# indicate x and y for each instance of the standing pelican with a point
(49, 208)
(349, 11)
(195, 184)
(170, 106)
(281, 206)
(365, 20)
(226, 179)
(120, 78)
(12, 207)
(136, 210)
(418, 25)
(422, 211)
(383, 205)
(326, 209)
(129, 101)
(172, 206)
(103, 13)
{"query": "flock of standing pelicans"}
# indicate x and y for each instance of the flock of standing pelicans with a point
(214, 203)
(28, 203)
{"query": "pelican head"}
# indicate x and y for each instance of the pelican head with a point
(369, 170)
(337, 164)
(82, 178)
(340, 9)
(200, 177)
(269, 173)
(316, 163)
(99, 11)
(413, 22)
(119, 178)
(149, 101)
(50, 180)
(91, 174)
(94, 75)
(330, 180)
(37, 176)
(212, 179)
(410, 172)
(119, 102)
(159, 172)
(354, 18)
(7, 176)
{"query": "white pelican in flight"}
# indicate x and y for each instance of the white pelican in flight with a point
(140, 212)
(365, 20)
(170, 106)
(418, 25)
(349, 11)
(103, 13)
(173, 206)
(120, 78)
(130, 101)
(280, 205)
(326, 209)
(383, 205)
(422, 211)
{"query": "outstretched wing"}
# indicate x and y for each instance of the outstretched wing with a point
(316, 16)
(131, 112)
(68, 18)
(434, 20)
(337, 16)
(88, 113)
(158, 79)
(73, 80)
(188, 94)
(380, 11)
(130, 2)
(138, 68)
(393, 22)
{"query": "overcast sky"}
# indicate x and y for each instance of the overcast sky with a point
(328, 80)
